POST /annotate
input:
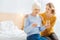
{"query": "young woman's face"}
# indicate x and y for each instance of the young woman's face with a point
(48, 10)
(36, 11)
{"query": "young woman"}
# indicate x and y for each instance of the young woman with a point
(49, 18)
(32, 25)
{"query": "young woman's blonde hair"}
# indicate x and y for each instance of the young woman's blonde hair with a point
(50, 5)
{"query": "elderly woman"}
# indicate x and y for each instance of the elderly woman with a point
(33, 25)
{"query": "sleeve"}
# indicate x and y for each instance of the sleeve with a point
(53, 22)
(41, 29)
(41, 26)
(43, 20)
(27, 26)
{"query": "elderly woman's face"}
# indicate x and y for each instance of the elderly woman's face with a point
(36, 11)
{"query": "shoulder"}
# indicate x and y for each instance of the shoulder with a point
(40, 17)
(54, 17)
(42, 14)
(26, 16)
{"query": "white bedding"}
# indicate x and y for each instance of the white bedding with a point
(8, 31)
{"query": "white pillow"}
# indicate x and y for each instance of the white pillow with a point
(8, 28)
(6, 25)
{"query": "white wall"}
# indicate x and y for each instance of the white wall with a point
(15, 6)
(19, 6)
(57, 7)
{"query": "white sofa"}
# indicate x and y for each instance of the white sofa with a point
(9, 31)
(10, 27)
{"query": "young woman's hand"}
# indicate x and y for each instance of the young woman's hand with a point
(47, 24)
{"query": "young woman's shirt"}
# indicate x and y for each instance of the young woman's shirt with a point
(50, 30)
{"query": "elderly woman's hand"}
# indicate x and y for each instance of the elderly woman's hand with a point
(34, 25)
